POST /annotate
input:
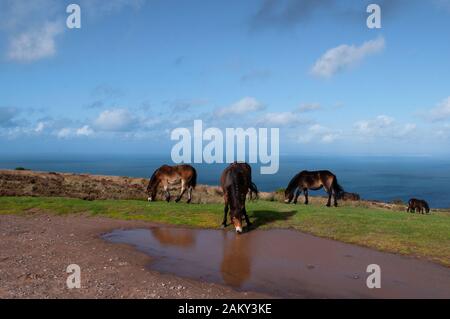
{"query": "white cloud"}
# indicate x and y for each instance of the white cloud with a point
(319, 133)
(7, 115)
(309, 107)
(33, 26)
(281, 119)
(68, 132)
(345, 56)
(443, 132)
(406, 129)
(115, 121)
(383, 126)
(245, 105)
(84, 131)
(35, 44)
(441, 111)
(372, 127)
(40, 127)
(64, 133)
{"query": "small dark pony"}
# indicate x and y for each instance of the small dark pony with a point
(349, 196)
(419, 205)
(314, 181)
(172, 175)
(236, 182)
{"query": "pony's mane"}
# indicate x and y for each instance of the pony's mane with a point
(152, 180)
(293, 183)
(233, 189)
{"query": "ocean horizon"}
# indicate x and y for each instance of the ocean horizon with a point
(380, 178)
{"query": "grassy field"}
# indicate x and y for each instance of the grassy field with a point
(426, 236)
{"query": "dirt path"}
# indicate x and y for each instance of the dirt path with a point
(36, 249)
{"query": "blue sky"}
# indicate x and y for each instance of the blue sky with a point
(138, 69)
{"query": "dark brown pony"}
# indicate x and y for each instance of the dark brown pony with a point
(252, 190)
(349, 196)
(419, 205)
(236, 182)
(316, 180)
(172, 175)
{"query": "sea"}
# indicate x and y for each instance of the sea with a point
(373, 178)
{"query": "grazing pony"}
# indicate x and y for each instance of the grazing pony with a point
(172, 175)
(349, 196)
(248, 171)
(314, 181)
(236, 182)
(419, 205)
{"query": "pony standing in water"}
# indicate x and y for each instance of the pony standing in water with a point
(236, 182)
(173, 175)
(315, 180)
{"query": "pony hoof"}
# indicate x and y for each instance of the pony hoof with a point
(223, 226)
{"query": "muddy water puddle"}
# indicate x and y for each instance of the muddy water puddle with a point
(284, 263)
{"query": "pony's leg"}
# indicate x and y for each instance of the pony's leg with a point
(190, 194)
(183, 190)
(305, 191)
(166, 190)
(335, 198)
(297, 194)
(247, 220)
(225, 212)
(330, 193)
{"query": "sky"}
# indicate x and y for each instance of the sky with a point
(138, 69)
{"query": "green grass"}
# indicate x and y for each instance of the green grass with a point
(426, 236)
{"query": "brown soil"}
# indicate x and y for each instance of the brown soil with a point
(35, 251)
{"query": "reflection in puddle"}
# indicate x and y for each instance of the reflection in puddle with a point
(283, 263)
(170, 237)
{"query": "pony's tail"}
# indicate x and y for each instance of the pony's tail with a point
(254, 189)
(152, 181)
(338, 189)
(427, 207)
(194, 178)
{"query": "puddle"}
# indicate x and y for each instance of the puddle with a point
(284, 263)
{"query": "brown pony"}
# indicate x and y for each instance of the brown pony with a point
(349, 196)
(248, 171)
(172, 175)
(419, 205)
(236, 182)
(314, 181)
